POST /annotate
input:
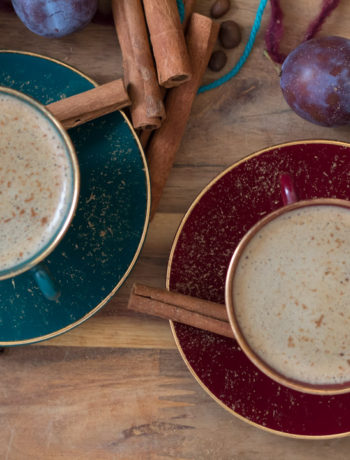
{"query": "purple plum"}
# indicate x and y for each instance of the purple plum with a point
(315, 80)
(55, 18)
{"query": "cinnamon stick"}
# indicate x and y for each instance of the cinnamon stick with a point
(88, 105)
(201, 37)
(189, 7)
(199, 313)
(168, 42)
(147, 109)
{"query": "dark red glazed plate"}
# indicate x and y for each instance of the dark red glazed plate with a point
(226, 209)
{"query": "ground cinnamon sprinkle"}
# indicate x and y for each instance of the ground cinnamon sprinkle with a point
(319, 321)
(28, 200)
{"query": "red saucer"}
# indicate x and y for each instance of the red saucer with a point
(201, 253)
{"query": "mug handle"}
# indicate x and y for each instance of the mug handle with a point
(288, 192)
(45, 282)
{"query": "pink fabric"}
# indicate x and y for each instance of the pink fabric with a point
(274, 30)
(327, 8)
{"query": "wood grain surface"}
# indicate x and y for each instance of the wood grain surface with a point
(116, 386)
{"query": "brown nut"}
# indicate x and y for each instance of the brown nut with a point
(230, 34)
(217, 60)
(219, 8)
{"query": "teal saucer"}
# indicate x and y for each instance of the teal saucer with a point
(103, 243)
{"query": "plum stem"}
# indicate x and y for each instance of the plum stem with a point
(276, 66)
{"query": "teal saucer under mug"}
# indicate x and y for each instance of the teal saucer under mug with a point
(106, 235)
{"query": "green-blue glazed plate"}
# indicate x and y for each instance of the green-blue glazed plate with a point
(103, 243)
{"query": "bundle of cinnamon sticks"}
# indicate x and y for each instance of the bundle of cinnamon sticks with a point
(164, 61)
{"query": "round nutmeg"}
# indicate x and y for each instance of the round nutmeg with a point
(217, 60)
(230, 34)
(219, 8)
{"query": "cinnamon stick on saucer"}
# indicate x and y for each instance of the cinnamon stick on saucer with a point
(147, 109)
(88, 105)
(184, 309)
(168, 42)
(201, 37)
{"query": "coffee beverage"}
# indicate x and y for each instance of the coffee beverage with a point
(291, 294)
(36, 182)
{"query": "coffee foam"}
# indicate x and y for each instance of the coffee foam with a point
(292, 294)
(36, 182)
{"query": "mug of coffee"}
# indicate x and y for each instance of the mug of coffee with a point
(39, 187)
(288, 293)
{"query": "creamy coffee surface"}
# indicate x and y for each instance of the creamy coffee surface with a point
(35, 182)
(292, 294)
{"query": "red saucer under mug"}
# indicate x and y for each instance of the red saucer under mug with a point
(208, 235)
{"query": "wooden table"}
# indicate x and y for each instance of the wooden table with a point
(116, 387)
